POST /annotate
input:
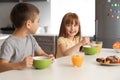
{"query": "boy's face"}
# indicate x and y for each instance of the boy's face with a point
(34, 26)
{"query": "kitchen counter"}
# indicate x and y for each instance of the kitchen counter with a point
(62, 69)
(3, 36)
(47, 42)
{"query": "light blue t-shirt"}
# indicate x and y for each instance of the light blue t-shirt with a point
(16, 49)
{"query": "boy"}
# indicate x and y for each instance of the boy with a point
(19, 48)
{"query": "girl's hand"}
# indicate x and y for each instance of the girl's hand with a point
(52, 57)
(85, 41)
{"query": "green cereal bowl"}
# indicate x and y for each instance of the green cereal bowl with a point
(90, 50)
(41, 62)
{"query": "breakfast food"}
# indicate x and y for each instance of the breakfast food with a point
(109, 60)
(116, 45)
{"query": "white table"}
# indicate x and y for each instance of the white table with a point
(62, 69)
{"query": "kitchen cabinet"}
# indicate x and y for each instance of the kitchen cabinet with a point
(47, 43)
(7, 30)
(33, 0)
(20, 0)
(9, 0)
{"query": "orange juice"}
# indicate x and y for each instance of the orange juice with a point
(77, 60)
(99, 47)
(98, 44)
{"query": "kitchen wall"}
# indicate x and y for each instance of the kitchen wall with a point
(53, 11)
(43, 6)
(84, 8)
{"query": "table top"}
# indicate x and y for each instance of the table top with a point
(62, 69)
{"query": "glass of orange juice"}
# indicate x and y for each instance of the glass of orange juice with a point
(98, 44)
(77, 59)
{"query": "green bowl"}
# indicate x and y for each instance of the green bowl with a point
(90, 50)
(41, 62)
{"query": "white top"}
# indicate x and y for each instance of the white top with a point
(62, 69)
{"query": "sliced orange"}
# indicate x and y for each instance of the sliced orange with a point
(116, 45)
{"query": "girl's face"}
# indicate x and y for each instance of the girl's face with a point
(71, 29)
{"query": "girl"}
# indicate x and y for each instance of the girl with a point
(69, 39)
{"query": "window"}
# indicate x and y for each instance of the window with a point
(84, 8)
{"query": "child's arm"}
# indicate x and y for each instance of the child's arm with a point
(5, 65)
(42, 53)
(66, 51)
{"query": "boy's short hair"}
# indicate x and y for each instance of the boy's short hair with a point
(23, 12)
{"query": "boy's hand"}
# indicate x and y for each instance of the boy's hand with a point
(28, 61)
